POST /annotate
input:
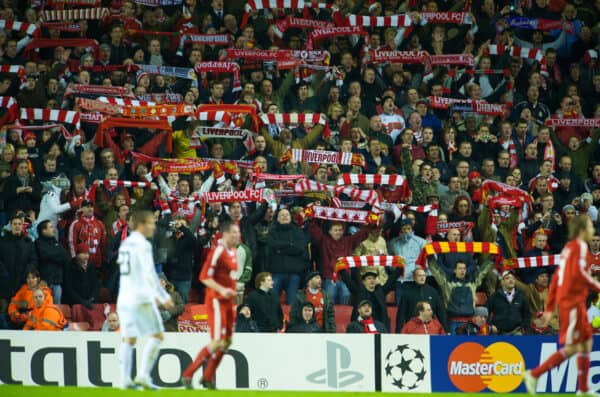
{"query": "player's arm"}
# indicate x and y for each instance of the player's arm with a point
(146, 264)
(208, 272)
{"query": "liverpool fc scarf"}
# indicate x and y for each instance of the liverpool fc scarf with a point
(160, 98)
(23, 27)
(222, 67)
(98, 90)
(394, 56)
(297, 119)
(323, 33)
(307, 185)
(15, 69)
(234, 196)
(287, 4)
(323, 157)
(77, 14)
(235, 110)
(124, 101)
(445, 247)
(98, 106)
(61, 116)
(512, 151)
(371, 179)
(62, 26)
(503, 189)
(174, 71)
(534, 261)
(69, 43)
(214, 115)
(540, 24)
(129, 184)
(575, 123)
(161, 111)
(452, 59)
(213, 132)
(299, 23)
(368, 325)
(402, 20)
(461, 18)
(124, 122)
(353, 262)
(341, 214)
(275, 55)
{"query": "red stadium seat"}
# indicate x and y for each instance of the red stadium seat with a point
(78, 326)
(390, 298)
(392, 315)
(94, 317)
(343, 315)
(66, 311)
(481, 299)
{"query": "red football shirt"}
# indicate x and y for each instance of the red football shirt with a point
(220, 265)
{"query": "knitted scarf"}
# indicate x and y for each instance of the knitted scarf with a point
(323, 33)
(368, 325)
(395, 56)
(98, 90)
(516, 51)
(462, 18)
(61, 116)
(444, 247)
(160, 98)
(549, 153)
(161, 111)
(534, 261)
(120, 225)
(298, 23)
(323, 157)
(98, 106)
(108, 183)
(504, 189)
(452, 59)
(576, 123)
(222, 67)
(62, 26)
(287, 4)
(23, 27)
(307, 185)
(68, 43)
(234, 110)
(371, 179)
(297, 119)
(540, 24)
(402, 20)
(173, 71)
(512, 151)
(234, 196)
(351, 262)
(399, 209)
(213, 132)
(15, 69)
(124, 101)
(341, 214)
(214, 115)
(76, 14)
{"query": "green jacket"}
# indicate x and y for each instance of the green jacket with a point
(580, 157)
(420, 188)
(484, 224)
(278, 96)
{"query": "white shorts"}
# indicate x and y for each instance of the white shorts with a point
(140, 320)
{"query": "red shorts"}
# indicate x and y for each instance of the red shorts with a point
(574, 324)
(221, 318)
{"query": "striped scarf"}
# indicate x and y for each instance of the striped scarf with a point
(532, 262)
(129, 184)
(399, 209)
(323, 157)
(172, 71)
(323, 33)
(516, 51)
(294, 118)
(512, 151)
(353, 262)
(298, 23)
(445, 247)
(161, 111)
(214, 115)
(341, 214)
(253, 5)
(23, 27)
(402, 20)
(576, 123)
(76, 14)
(16, 69)
(124, 101)
(371, 179)
(61, 116)
(462, 18)
(549, 153)
(307, 185)
(395, 56)
(222, 67)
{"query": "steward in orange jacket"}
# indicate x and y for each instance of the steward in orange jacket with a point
(22, 303)
(44, 317)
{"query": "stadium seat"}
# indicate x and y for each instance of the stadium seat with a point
(343, 314)
(392, 315)
(481, 299)
(390, 298)
(94, 317)
(66, 311)
(78, 326)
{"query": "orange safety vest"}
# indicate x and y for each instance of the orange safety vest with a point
(24, 299)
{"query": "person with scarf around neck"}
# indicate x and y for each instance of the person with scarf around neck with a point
(423, 323)
(88, 230)
(364, 322)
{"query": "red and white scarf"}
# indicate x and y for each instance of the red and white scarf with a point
(534, 261)
(516, 51)
(549, 153)
(395, 56)
(125, 101)
(222, 67)
(98, 106)
(23, 27)
(299, 23)
(99, 90)
(399, 209)
(16, 69)
(371, 179)
(214, 115)
(461, 18)
(325, 157)
(323, 33)
(10, 104)
(353, 262)
(214, 132)
(76, 14)
(341, 214)
(108, 183)
(61, 116)
(287, 4)
(62, 26)
(512, 151)
(120, 225)
(402, 20)
(160, 98)
(234, 196)
(576, 123)
(293, 118)
(209, 39)
(369, 196)
(452, 59)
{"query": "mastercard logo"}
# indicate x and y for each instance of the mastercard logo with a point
(498, 367)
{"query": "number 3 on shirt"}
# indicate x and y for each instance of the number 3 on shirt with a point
(124, 266)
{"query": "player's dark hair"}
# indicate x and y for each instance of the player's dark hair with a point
(139, 217)
(577, 224)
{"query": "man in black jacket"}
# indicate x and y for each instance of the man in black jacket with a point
(365, 323)
(17, 257)
(419, 291)
(81, 280)
(508, 308)
(180, 259)
(306, 322)
(265, 305)
(321, 301)
(247, 223)
(368, 289)
(53, 259)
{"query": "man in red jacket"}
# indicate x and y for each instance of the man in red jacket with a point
(332, 246)
(423, 323)
(88, 230)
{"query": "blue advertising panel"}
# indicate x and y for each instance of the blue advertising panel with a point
(496, 364)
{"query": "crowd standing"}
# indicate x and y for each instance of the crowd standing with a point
(486, 113)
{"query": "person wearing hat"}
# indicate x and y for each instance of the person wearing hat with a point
(408, 246)
(364, 322)
(305, 322)
(424, 323)
(89, 230)
(244, 321)
(508, 307)
(478, 324)
(586, 206)
(565, 194)
(320, 300)
(367, 288)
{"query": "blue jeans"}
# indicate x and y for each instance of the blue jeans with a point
(56, 293)
(290, 282)
(183, 287)
(338, 292)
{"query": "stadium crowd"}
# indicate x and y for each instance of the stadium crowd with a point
(335, 134)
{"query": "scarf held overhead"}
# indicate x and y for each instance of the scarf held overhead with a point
(445, 247)
(341, 214)
(352, 262)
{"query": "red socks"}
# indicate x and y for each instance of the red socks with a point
(552, 361)
(583, 366)
(200, 359)
(211, 368)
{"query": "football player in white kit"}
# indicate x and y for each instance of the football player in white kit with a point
(139, 294)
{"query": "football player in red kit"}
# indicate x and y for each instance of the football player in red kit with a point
(217, 275)
(568, 291)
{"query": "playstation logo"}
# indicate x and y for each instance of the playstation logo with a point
(336, 374)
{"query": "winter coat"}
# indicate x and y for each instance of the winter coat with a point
(415, 293)
(300, 326)
(169, 316)
(23, 201)
(416, 326)
(180, 261)
(243, 324)
(328, 310)
(266, 310)
(16, 259)
(508, 316)
(287, 249)
(376, 297)
(80, 285)
(247, 224)
(92, 232)
(53, 259)
(357, 328)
